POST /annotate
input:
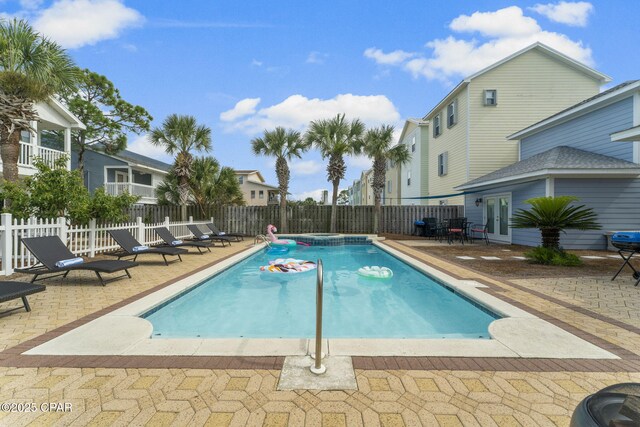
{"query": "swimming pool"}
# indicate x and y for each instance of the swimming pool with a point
(244, 302)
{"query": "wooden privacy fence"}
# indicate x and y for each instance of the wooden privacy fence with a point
(253, 220)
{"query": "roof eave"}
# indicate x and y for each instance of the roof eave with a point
(554, 173)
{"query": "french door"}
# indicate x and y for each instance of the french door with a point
(497, 211)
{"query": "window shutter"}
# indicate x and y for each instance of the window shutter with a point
(445, 163)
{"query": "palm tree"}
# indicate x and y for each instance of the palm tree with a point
(213, 185)
(377, 146)
(553, 215)
(284, 145)
(32, 68)
(336, 138)
(180, 135)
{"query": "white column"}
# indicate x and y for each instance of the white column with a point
(7, 243)
(140, 227)
(67, 146)
(550, 187)
(35, 143)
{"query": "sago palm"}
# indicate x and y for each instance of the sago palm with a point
(32, 68)
(284, 145)
(179, 135)
(212, 184)
(377, 146)
(336, 138)
(553, 215)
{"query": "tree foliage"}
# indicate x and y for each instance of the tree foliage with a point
(32, 68)
(57, 192)
(284, 145)
(107, 117)
(343, 197)
(179, 135)
(209, 185)
(336, 138)
(378, 147)
(553, 215)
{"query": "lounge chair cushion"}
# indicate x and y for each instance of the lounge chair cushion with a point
(176, 242)
(69, 262)
(140, 248)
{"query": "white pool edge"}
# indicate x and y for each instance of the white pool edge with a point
(517, 334)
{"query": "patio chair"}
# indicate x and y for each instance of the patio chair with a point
(202, 237)
(170, 240)
(54, 258)
(483, 229)
(14, 290)
(237, 237)
(455, 229)
(131, 247)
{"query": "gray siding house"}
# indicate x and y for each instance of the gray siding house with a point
(590, 150)
(126, 171)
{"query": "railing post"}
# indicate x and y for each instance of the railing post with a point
(190, 219)
(62, 229)
(6, 222)
(92, 237)
(318, 368)
(166, 222)
(140, 228)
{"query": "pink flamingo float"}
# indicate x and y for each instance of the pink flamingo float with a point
(281, 242)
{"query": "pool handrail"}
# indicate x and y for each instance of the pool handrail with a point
(318, 368)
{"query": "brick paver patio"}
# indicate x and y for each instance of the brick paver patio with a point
(391, 391)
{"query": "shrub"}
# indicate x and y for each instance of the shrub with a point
(549, 256)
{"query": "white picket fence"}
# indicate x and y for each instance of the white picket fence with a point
(82, 240)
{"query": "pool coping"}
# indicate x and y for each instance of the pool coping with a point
(121, 332)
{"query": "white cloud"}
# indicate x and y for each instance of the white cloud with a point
(306, 167)
(297, 111)
(501, 33)
(360, 162)
(142, 145)
(76, 23)
(571, 13)
(392, 58)
(507, 22)
(31, 4)
(317, 57)
(256, 63)
(314, 194)
(242, 108)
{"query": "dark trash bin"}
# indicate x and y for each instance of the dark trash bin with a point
(614, 406)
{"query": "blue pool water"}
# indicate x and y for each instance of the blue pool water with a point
(245, 302)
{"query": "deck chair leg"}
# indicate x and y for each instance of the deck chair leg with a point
(134, 258)
(164, 257)
(100, 278)
(28, 307)
(126, 270)
(64, 276)
(208, 249)
(180, 257)
(33, 279)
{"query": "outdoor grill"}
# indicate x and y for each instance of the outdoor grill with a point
(627, 242)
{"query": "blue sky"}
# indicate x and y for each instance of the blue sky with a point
(241, 67)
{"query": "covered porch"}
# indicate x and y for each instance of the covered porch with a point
(136, 181)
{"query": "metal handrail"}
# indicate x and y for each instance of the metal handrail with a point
(318, 368)
(264, 238)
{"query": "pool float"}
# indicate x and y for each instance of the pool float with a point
(279, 242)
(278, 250)
(289, 265)
(303, 244)
(376, 272)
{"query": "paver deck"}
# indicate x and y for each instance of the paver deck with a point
(391, 391)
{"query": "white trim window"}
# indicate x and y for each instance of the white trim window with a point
(241, 180)
(490, 97)
(253, 194)
(452, 113)
(408, 178)
(443, 163)
(389, 186)
(261, 194)
(413, 144)
(437, 127)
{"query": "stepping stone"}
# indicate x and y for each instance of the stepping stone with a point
(592, 257)
(490, 258)
(465, 257)
(518, 257)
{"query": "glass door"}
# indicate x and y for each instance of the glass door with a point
(496, 215)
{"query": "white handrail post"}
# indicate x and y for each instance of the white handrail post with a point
(190, 220)
(140, 226)
(62, 229)
(92, 237)
(166, 222)
(6, 222)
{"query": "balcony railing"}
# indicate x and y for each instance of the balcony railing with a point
(117, 188)
(28, 152)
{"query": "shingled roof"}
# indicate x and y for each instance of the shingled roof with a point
(558, 158)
